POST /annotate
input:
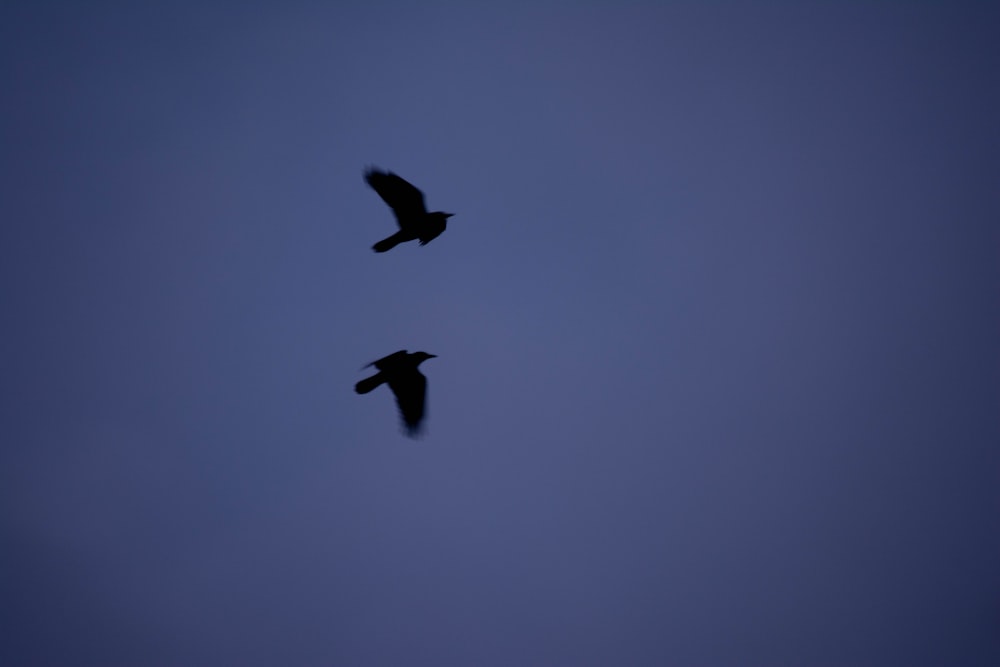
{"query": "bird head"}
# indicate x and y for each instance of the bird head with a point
(420, 357)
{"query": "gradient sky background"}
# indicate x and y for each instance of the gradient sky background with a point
(717, 322)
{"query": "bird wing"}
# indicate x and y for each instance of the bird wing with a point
(389, 361)
(410, 390)
(405, 200)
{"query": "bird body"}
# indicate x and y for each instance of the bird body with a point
(407, 204)
(407, 383)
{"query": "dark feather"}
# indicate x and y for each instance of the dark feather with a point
(405, 200)
(407, 204)
(410, 391)
(409, 386)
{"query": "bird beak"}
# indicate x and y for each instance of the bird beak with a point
(431, 356)
(448, 215)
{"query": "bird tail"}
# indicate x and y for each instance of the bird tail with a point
(413, 430)
(368, 384)
(388, 243)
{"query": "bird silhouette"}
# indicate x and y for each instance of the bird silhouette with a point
(407, 203)
(408, 385)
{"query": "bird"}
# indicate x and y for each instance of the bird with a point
(408, 385)
(407, 204)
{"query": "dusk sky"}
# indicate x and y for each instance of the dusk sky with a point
(717, 323)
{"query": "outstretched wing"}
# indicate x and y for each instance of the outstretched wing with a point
(410, 390)
(405, 200)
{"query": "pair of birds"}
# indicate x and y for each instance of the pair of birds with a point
(400, 369)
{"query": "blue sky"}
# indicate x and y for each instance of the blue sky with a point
(716, 322)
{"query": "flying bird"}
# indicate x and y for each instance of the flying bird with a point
(408, 385)
(407, 203)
